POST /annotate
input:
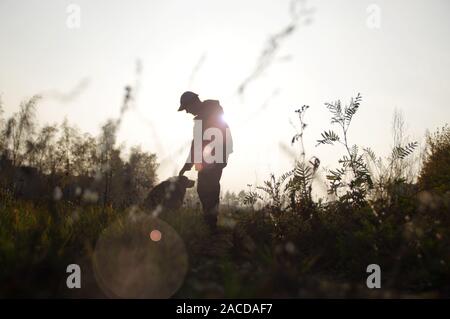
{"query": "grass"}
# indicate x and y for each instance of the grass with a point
(252, 256)
(292, 247)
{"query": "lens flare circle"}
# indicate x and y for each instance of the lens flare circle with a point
(155, 235)
(130, 263)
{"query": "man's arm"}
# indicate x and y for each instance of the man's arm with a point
(186, 167)
(189, 162)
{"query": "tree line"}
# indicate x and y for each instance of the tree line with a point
(58, 162)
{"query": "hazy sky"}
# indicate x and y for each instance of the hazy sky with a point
(404, 64)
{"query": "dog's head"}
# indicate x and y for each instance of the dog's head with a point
(182, 181)
(185, 182)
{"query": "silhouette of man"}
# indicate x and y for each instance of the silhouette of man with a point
(210, 148)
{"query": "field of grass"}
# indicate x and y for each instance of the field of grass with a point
(275, 240)
(254, 254)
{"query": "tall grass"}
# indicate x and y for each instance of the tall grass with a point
(293, 246)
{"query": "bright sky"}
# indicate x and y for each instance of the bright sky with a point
(404, 64)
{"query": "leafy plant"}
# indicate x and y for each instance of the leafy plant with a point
(299, 186)
(251, 197)
(400, 152)
(352, 180)
(298, 137)
(391, 176)
(273, 188)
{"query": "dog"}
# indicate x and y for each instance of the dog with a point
(169, 194)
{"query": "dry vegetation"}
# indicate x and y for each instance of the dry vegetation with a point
(60, 189)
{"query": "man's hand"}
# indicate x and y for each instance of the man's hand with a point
(185, 168)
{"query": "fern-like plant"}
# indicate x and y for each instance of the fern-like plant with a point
(352, 180)
(273, 189)
(390, 175)
(299, 186)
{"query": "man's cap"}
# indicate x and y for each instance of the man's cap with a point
(186, 98)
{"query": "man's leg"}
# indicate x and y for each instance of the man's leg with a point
(208, 188)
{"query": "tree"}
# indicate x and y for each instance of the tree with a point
(20, 128)
(435, 173)
(140, 175)
(2, 138)
(65, 147)
(84, 155)
(40, 151)
(106, 153)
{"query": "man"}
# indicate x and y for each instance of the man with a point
(210, 148)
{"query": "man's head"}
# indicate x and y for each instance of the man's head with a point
(190, 102)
